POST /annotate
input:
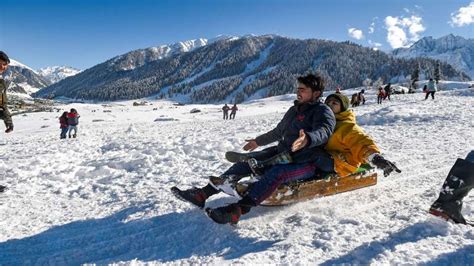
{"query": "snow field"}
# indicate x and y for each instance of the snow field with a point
(104, 197)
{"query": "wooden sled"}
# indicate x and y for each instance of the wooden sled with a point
(330, 185)
(298, 191)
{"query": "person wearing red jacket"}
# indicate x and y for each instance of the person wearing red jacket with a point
(233, 111)
(63, 125)
(73, 121)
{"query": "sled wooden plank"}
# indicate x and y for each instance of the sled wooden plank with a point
(288, 194)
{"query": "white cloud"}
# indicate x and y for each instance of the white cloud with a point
(355, 33)
(402, 32)
(464, 16)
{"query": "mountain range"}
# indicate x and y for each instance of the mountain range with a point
(57, 73)
(238, 69)
(22, 79)
(231, 68)
(452, 49)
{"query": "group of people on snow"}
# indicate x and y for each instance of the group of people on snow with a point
(68, 122)
(384, 93)
(357, 98)
(233, 111)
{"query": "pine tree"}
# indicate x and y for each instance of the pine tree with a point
(414, 78)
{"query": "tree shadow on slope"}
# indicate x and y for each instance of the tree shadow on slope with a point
(165, 238)
(364, 254)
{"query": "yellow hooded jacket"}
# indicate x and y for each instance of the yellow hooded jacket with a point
(349, 145)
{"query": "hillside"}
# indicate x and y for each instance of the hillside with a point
(237, 69)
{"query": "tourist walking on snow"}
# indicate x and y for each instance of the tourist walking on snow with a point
(63, 125)
(225, 111)
(4, 113)
(233, 111)
(380, 95)
(72, 121)
(304, 130)
(431, 88)
(459, 182)
(388, 91)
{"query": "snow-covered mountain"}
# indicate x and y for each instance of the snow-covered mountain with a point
(138, 58)
(23, 79)
(231, 69)
(57, 73)
(104, 197)
(455, 50)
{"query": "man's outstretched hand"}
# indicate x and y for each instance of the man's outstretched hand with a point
(251, 145)
(300, 142)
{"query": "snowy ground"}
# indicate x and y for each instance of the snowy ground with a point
(104, 197)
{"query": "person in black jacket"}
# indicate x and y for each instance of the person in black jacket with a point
(304, 130)
(225, 111)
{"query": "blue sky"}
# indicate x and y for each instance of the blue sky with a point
(84, 33)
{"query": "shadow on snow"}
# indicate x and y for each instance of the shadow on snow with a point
(365, 253)
(164, 238)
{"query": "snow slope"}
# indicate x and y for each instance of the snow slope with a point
(104, 197)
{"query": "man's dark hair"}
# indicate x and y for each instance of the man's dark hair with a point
(4, 57)
(314, 82)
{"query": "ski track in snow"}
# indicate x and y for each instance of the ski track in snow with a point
(104, 197)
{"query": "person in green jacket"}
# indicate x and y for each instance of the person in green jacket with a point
(431, 89)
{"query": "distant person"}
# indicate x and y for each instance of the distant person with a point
(431, 89)
(361, 96)
(459, 182)
(380, 95)
(388, 91)
(4, 112)
(72, 121)
(338, 89)
(233, 111)
(63, 125)
(225, 111)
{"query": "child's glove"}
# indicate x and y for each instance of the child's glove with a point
(383, 164)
